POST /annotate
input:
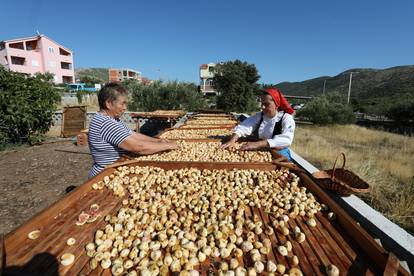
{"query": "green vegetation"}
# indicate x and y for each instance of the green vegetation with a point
(237, 83)
(329, 109)
(26, 107)
(402, 111)
(164, 95)
(95, 75)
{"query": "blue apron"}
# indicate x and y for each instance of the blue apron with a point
(286, 153)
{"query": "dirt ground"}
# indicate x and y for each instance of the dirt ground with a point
(32, 178)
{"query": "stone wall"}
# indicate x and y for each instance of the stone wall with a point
(126, 118)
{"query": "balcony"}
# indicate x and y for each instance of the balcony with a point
(66, 65)
(67, 79)
(63, 52)
(17, 45)
(31, 45)
(18, 60)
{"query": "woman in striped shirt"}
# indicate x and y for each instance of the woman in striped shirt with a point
(109, 137)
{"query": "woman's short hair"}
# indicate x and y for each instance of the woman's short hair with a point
(110, 92)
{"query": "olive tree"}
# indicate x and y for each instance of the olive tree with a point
(164, 95)
(329, 109)
(236, 82)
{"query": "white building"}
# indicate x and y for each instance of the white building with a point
(206, 79)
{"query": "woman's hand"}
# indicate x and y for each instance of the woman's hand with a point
(173, 145)
(249, 146)
(255, 145)
(229, 145)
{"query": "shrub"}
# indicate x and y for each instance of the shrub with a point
(329, 109)
(160, 95)
(402, 110)
(26, 106)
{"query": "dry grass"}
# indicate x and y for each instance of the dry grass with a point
(385, 160)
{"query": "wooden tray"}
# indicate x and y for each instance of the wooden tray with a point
(341, 242)
(216, 137)
(205, 126)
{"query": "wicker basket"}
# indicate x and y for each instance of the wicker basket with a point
(341, 181)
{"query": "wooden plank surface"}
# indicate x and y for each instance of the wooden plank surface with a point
(323, 245)
(391, 268)
(187, 126)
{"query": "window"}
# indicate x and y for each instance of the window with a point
(17, 60)
(63, 52)
(51, 50)
(66, 65)
(68, 79)
(17, 45)
(31, 45)
(35, 63)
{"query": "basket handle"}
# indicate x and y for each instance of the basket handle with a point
(334, 166)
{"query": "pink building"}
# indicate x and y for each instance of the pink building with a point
(38, 54)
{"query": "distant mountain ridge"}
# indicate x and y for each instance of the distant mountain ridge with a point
(366, 84)
(100, 73)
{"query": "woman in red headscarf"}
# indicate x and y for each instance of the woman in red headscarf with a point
(273, 127)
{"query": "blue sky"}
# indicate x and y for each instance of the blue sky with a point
(286, 40)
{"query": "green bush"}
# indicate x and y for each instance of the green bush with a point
(236, 83)
(402, 111)
(159, 95)
(26, 106)
(329, 109)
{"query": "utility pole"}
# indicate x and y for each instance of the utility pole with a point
(324, 84)
(159, 74)
(350, 84)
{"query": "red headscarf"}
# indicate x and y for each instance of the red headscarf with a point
(280, 100)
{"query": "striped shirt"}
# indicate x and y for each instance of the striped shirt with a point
(105, 136)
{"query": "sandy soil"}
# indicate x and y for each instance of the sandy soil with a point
(33, 178)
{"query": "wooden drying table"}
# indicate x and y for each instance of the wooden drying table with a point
(186, 126)
(342, 242)
(211, 138)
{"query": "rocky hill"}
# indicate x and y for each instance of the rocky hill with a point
(366, 84)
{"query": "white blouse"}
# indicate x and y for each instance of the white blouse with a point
(284, 139)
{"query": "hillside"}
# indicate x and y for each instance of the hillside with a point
(100, 73)
(367, 84)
